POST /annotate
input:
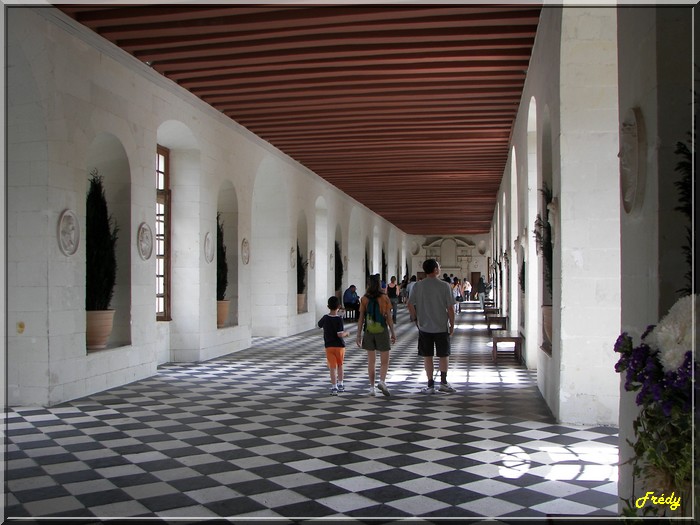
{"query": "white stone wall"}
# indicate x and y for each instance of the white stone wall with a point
(66, 86)
(655, 49)
(573, 80)
(589, 218)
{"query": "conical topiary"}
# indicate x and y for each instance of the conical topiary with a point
(100, 248)
(301, 272)
(221, 263)
(338, 267)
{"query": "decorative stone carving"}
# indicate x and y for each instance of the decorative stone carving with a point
(208, 248)
(632, 160)
(144, 241)
(245, 251)
(68, 233)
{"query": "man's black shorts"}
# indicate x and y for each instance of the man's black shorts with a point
(433, 344)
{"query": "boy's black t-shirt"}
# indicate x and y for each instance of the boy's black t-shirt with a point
(332, 324)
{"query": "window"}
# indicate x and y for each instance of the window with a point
(162, 244)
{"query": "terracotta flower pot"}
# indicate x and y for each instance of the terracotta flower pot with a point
(547, 321)
(98, 328)
(222, 308)
(301, 303)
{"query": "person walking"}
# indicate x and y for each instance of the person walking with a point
(403, 294)
(467, 290)
(333, 339)
(481, 291)
(431, 306)
(457, 293)
(375, 333)
(392, 291)
(411, 283)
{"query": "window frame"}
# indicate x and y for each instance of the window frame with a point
(163, 197)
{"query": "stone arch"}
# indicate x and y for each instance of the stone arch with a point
(227, 207)
(369, 266)
(533, 295)
(186, 237)
(375, 253)
(323, 258)
(503, 277)
(273, 249)
(356, 251)
(545, 177)
(514, 213)
(394, 254)
(107, 157)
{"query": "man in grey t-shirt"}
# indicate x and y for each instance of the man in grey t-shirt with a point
(431, 305)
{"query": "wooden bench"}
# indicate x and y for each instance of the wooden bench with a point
(490, 311)
(501, 321)
(350, 314)
(505, 336)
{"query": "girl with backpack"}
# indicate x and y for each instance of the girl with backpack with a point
(375, 333)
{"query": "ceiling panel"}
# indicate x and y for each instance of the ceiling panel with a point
(408, 109)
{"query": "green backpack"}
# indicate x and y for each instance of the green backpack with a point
(374, 320)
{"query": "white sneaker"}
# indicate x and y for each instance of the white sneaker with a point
(446, 387)
(427, 390)
(383, 388)
(372, 391)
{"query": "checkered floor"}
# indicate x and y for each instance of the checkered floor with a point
(255, 434)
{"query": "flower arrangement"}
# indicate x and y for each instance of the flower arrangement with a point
(660, 369)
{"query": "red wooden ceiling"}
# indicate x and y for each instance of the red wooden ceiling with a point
(406, 108)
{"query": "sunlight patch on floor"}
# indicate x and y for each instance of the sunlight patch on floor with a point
(516, 462)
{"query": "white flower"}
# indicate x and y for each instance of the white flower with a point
(673, 336)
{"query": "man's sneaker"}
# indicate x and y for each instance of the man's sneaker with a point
(383, 388)
(334, 391)
(372, 391)
(428, 390)
(446, 387)
(341, 387)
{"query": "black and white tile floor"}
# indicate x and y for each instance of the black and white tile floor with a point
(256, 435)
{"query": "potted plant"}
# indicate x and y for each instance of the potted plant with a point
(101, 264)
(545, 247)
(222, 305)
(301, 282)
(661, 369)
(338, 269)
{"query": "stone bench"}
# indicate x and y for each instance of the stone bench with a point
(506, 336)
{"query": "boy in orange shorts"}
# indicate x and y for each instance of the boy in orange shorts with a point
(333, 334)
